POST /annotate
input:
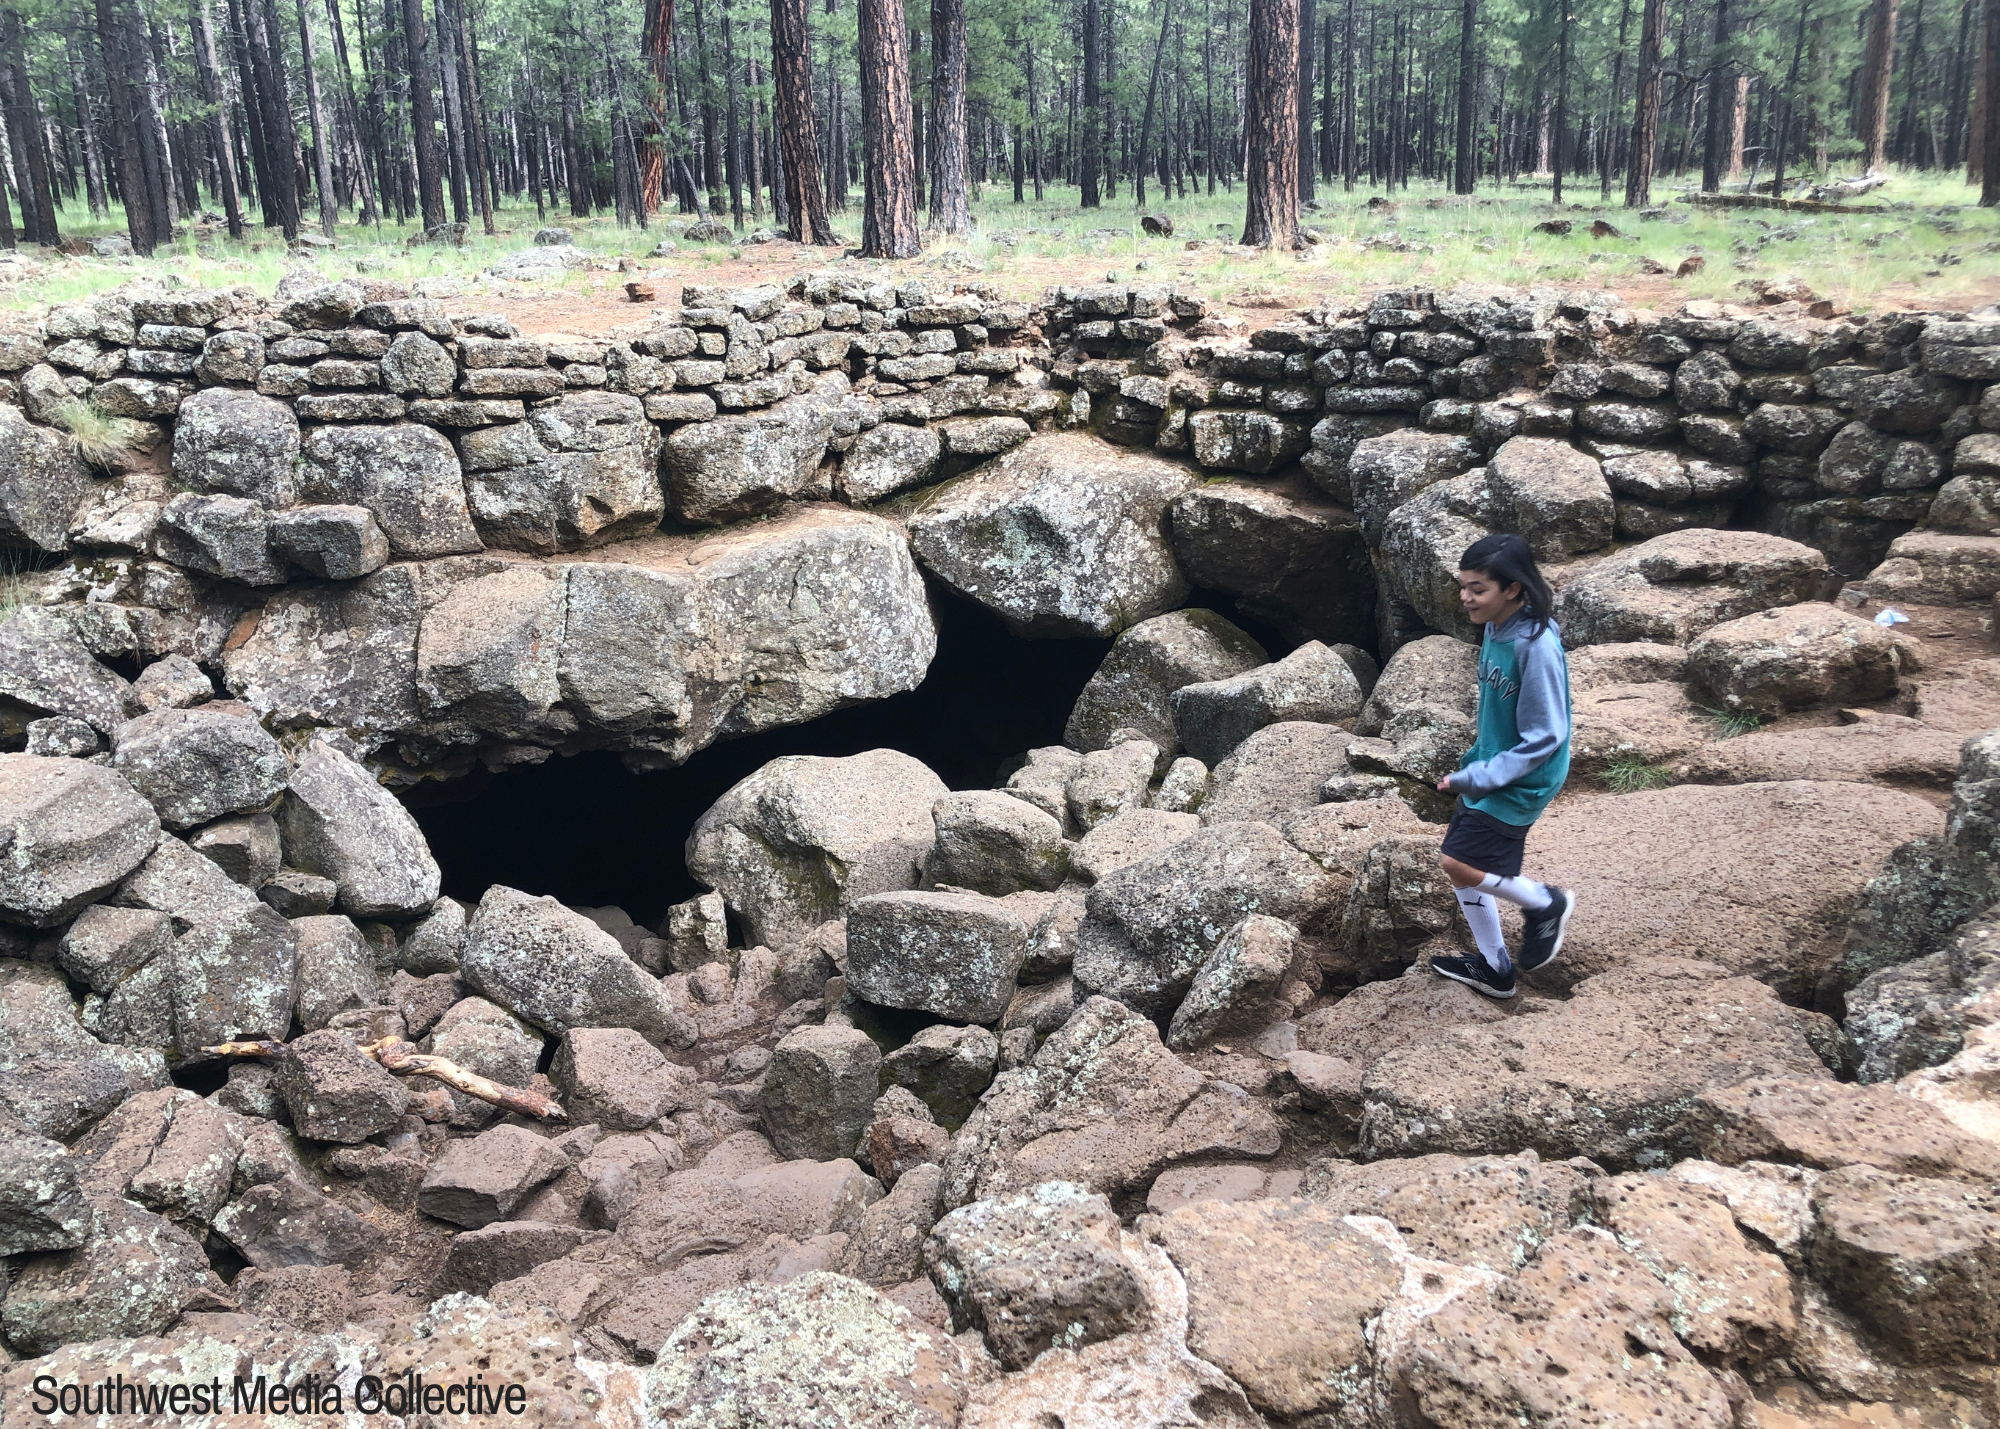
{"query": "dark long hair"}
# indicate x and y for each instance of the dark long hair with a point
(1508, 559)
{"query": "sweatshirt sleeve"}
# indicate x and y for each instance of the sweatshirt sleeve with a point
(1542, 716)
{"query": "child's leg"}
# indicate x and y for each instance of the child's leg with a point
(1481, 913)
(1524, 892)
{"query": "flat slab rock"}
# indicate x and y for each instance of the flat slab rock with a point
(1688, 872)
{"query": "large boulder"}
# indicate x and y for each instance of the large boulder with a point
(798, 841)
(1152, 925)
(43, 483)
(1609, 1074)
(44, 666)
(338, 821)
(581, 471)
(407, 474)
(1806, 654)
(1488, 1212)
(199, 764)
(134, 1273)
(231, 977)
(558, 970)
(1938, 568)
(886, 459)
(953, 955)
(1654, 891)
(342, 655)
(819, 1091)
(1673, 587)
(731, 467)
(1133, 688)
(1036, 1270)
(1063, 536)
(992, 842)
(1438, 671)
(1297, 563)
(1312, 683)
(1386, 470)
(72, 831)
(1280, 768)
(489, 651)
(1422, 541)
(683, 643)
(1551, 493)
(821, 1349)
(229, 442)
(1104, 1105)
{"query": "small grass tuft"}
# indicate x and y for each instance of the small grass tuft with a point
(1730, 723)
(1629, 774)
(100, 440)
(19, 568)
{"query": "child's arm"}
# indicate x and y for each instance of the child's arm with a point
(1542, 716)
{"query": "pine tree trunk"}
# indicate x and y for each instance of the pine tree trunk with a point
(951, 203)
(798, 136)
(24, 127)
(125, 120)
(1615, 103)
(1465, 162)
(1087, 151)
(1721, 91)
(1558, 153)
(656, 48)
(1646, 108)
(423, 115)
(1271, 123)
(280, 142)
(329, 213)
(216, 100)
(1308, 165)
(1989, 129)
(1152, 91)
(1878, 61)
(889, 200)
(732, 133)
(478, 147)
(443, 58)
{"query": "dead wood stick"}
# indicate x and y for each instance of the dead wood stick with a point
(397, 1056)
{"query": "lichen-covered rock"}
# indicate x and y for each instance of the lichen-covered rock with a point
(1312, 683)
(822, 1349)
(886, 459)
(489, 652)
(1675, 586)
(336, 969)
(1438, 670)
(1134, 686)
(407, 474)
(334, 543)
(945, 1067)
(1939, 567)
(1063, 536)
(44, 666)
(581, 471)
(1036, 1270)
(1422, 541)
(991, 842)
(42, 1205)
(1386, 470)
(1784, 659)
(333, 1092)
(226, 536)
(732, 467)
(337, 655)
(338, 821)
(43, 483)
(233, 976)
(954, 955)
(1279, 768)
(482, 1179)
(1551, 493)
(1152, 925)
(1828, 1125)
(196, 765)
(1105, 1105)
(798, 841)
(558, 970)
(73, 831)
(1237, 992)
(1489, 1212)
(229, 442)
(614, 1078)
(1297, 563)
(132, 1275)
(819, 1091)
(490, 1041)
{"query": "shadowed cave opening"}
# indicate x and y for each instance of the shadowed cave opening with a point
(589, 832)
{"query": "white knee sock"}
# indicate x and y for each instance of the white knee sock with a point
(1523, 891)
(1484, 919)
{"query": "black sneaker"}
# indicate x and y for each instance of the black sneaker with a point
(1475, 974)
(1543, 937)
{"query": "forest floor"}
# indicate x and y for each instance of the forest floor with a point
(1922, 244)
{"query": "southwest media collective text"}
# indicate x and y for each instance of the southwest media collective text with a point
(410, 1394)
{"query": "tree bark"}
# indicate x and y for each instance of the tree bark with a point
(1152, 91)
(798, 134)
(951, 200)
(1878, 61)
(1989, 130)
(1646, 107)
(1087, 148)
(1465, 165)
(475, 118)
(329, 213)
(656, 47)
(1271, 124)
(732, 136)
(275, 116)
(423, 115)
(125, 120)
(889, 199)
(1308, 164)
(444, 57)
(24, 127)
(1559, 149)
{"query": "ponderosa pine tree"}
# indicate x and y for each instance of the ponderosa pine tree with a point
(951, 198)
(798, 129)
(888, 141)
(1271, 125)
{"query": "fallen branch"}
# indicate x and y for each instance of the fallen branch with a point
(399, 1057)
(1794, 205)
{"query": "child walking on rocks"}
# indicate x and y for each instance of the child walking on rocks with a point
(1517, 763)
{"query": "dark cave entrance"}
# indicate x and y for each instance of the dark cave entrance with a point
(588, 832)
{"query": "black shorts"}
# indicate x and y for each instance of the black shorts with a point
(1483, 842)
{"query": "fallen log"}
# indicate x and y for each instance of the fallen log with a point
(1790, 205)
(397, 1056)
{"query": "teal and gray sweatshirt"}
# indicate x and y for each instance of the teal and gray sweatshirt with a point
(1520, 757)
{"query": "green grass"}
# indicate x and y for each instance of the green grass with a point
(1629, 774)
(1931, 246)
(19, 569)
(1731, 723)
